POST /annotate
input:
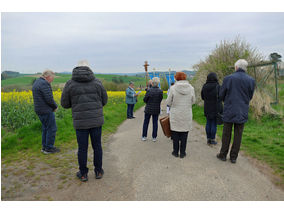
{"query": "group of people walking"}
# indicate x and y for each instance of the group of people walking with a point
(86, 96)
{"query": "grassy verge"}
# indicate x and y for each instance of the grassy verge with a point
(262, 139)
(27, 140)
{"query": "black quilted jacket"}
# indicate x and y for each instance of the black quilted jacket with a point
(86, 96)
(153, 99)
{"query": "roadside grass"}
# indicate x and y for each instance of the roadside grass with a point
(262, 139)
(27, 139)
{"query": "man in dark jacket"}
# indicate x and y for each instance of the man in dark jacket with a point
(153, 98)
(236, 92)
(212, 105)
(45, 107)
(86, 96)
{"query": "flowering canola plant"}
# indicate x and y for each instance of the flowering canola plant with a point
(17, 107)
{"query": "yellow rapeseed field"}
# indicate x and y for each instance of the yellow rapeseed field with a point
(27, 96)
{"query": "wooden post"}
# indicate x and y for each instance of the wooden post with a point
(146, 70)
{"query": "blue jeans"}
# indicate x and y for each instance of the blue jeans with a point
(48, 130)
(130, 108)
(211, 128)
(83, 142)
(146, 123)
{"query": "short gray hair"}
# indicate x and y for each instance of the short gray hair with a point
(47, 73)
(83, 63)
(241, 63)
(155, 81)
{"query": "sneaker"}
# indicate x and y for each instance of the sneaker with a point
(213, 142)
(51, 150)
(144, 139)
(82, 178)
(100, 174)
(154, 139)
(182, 155)
(233, 160)
(42, 150)
(221, 158)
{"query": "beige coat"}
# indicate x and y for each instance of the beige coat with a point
(180, 100)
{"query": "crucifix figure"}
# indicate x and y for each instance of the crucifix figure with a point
(146, 70)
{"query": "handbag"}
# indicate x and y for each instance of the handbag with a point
(219, 116)
(165, 124)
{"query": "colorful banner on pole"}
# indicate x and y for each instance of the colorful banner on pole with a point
(170, 79)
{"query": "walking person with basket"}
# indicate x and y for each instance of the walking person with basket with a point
(180, 101)
(212, 107)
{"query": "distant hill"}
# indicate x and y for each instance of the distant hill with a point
(9, 74)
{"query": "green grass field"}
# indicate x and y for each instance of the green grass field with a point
(25, 82)
(19, 140)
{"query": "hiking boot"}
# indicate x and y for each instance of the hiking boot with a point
(175, 154)
(82, 178)
(51, 150)
(144, 138)
(233, 160)
(182, 155)
(100, 174)
(221, 158)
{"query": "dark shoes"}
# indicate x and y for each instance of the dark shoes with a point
(175, 154)
(221, 158)
(233, 160)
(50, 150)
(100, 174)
(182, 155)
(82, 178)
(211, 142)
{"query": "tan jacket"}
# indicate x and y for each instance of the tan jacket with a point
(180, 100)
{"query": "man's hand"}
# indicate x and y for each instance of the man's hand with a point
(55, 109)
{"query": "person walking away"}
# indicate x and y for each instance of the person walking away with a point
(130, 100)
(212, 106)
(236, 92)
(153, 98)
(180, 100)
(86, 95)
(45, 106)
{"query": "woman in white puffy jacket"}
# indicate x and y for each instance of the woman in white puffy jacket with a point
(180, 101)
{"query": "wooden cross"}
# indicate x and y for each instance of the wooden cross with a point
(146, 66)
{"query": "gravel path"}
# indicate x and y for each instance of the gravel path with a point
(136, 170)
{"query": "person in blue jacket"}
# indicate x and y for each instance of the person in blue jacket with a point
(236, 92)
(45, 106)
(130, 100)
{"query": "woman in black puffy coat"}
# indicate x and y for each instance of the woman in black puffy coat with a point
(212, 105)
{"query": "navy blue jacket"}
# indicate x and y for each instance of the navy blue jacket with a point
(153, 98)
(236, 92)
(43, 97)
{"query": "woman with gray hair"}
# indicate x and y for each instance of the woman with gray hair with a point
(153, 98)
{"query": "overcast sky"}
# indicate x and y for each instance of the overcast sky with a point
(121, 42)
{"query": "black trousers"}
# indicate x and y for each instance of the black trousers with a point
(226, 139)
(82, 140)
(179, 137)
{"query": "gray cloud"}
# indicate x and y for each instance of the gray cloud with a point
(121, 42)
